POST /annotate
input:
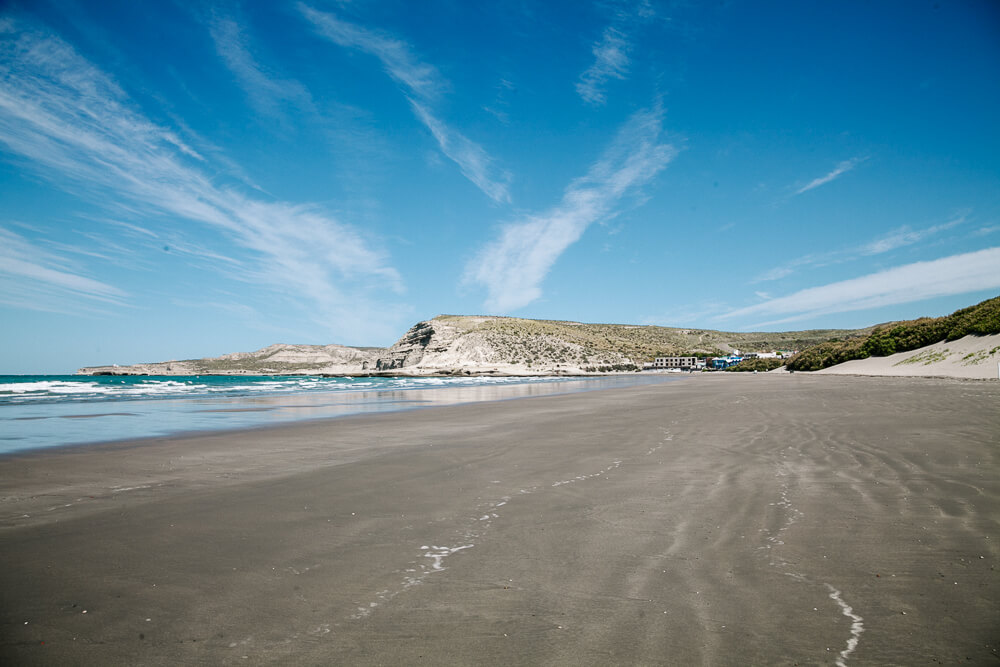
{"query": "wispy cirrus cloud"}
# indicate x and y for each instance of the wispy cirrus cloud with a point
(419, 78)
(513, 267)
(897, 238)
(611, 61)
(472, 160)
(267, 92)
(612, 54)
(423, 85)
(74, 124)
(838, 171)
(34, 278)
(500, 105)
(957, 274)
(906, 236)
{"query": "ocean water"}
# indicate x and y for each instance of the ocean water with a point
(39, 411)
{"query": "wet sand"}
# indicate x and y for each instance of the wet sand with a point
(724, 519)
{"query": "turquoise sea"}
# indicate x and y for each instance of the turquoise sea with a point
(39, 411)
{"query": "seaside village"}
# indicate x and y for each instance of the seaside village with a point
(691, 364)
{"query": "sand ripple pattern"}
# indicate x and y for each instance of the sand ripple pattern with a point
(421, 570)
(774, 539)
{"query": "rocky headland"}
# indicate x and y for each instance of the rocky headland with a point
(470, 345)
(963, 344)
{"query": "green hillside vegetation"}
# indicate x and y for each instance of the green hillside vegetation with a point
(983, 319)
(254, 364)
(597, 344)
(762, 365)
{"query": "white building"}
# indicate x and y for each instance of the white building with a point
(674, 362)
(780, 354)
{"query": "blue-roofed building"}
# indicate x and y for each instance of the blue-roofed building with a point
(720, 363)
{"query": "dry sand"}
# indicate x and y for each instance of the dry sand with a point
(975, 357)
(723, 519)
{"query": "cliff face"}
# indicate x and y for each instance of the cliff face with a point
(408, 350)
(493, 345)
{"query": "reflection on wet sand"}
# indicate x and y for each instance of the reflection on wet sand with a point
(52, 425)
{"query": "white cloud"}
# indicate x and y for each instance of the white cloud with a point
(957, 274)
(36, 279)
(265, 91)
(905, 236)
(838, 171)
(898, 238)
(73, 122)
(612, 51)
(423, 85)
(419, 78)
(470, 157)
(779, 272)
(513, 267)
(611, 61)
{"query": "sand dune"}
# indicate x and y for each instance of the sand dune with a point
(969, 357)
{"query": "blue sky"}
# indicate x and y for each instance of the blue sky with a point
(188, 179)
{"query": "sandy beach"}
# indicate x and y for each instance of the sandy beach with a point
(721, 519)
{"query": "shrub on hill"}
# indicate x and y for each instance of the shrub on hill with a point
(983, 319)
(609, 344)
(762, 365)
(979, 320)
(613, 368)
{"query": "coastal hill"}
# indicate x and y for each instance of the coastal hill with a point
(455, 344)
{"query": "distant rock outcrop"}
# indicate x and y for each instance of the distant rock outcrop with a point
(278, 359)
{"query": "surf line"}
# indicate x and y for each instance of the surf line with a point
(857, 625)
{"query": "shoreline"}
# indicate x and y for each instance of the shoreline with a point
(756, 518)
(51, 425)
(399, 372)
(127, 443)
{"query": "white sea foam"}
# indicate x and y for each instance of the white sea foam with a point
(857, 625)
(60, 388)
(53, 387)
(581, 478)
(438, 554)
